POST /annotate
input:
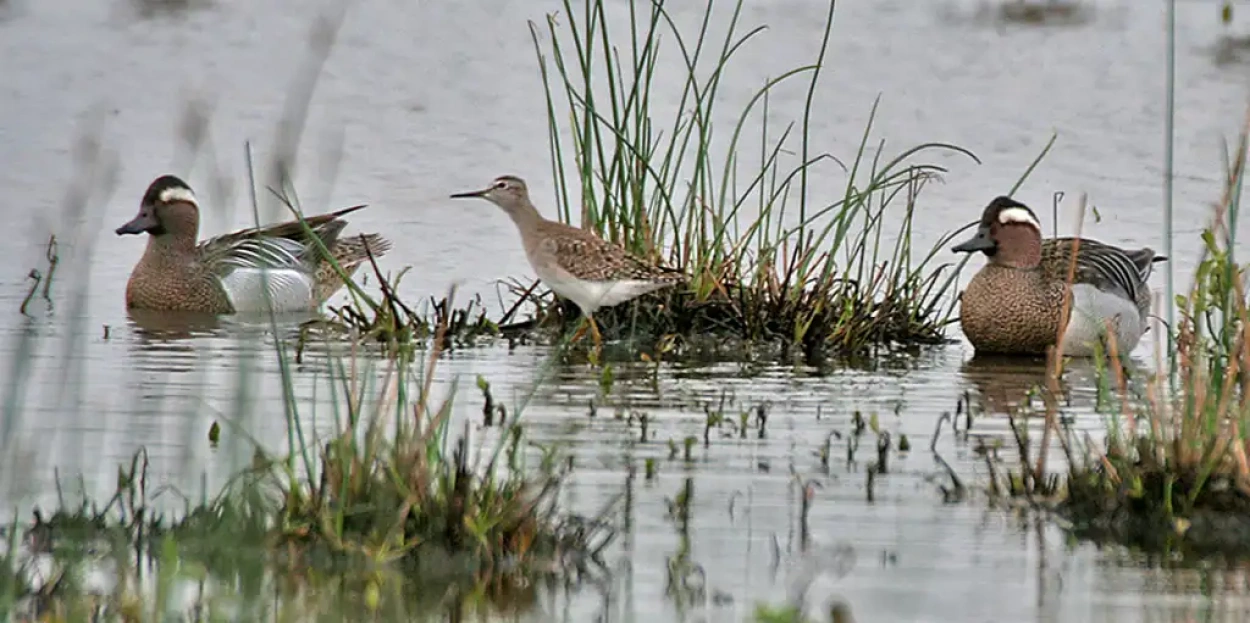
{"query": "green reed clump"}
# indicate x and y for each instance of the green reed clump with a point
(1173, 471)
(388, 488)
(767, 260)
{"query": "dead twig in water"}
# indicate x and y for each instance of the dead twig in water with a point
(937, 430)
(956, 494)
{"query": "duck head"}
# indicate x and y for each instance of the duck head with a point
(1009, 234)
(168, 208)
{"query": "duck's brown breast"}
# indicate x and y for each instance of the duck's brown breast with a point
(1010, 310)
(167, 287)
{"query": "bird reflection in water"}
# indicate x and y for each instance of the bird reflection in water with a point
(1005, 383)
(158, 325)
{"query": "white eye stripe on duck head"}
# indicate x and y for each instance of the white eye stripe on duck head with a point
(177, 193)
(1018, 215)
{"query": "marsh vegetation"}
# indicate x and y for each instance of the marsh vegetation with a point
(383, 500)
(770, 259)
(392, 502)
(1171, 473)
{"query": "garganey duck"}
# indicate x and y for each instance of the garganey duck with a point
(1014, 304)
(231, 273)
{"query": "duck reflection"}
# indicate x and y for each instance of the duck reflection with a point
(158, 325)
(174, 341)
(1004, 383)
(166, 325)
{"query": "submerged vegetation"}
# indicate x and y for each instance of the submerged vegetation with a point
(388, 502)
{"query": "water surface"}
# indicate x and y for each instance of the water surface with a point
(421, 99)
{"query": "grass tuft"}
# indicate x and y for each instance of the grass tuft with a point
(767, 261)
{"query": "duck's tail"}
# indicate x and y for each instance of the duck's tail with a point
(349, 253)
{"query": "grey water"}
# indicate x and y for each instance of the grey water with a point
(421, 99)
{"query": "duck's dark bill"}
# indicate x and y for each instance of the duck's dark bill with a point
(981, 241)
(476, 193)
(138, 225)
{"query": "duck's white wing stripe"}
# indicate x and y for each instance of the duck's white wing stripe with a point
(265, 253)
(288, 289)
(1116, 267)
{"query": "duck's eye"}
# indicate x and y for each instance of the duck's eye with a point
(501, 185)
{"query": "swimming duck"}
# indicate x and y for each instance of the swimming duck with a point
(1014, 304)
(233, 272)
